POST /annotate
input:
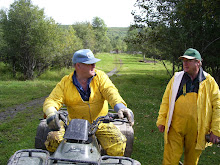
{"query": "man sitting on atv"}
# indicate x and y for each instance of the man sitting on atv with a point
(86, 93)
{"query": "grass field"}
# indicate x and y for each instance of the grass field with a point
(140, 84)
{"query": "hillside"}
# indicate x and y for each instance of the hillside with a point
(111, 32)
(117, 31)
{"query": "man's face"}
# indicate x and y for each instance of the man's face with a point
(190, 66)
(87, 70)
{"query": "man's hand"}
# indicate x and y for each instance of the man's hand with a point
(161, 128)
(214, 139)
(126, 112)
(53, 122)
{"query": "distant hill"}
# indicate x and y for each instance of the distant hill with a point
(117, 31)
(64, 26)
(112, 32)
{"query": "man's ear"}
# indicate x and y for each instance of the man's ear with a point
(78, 65)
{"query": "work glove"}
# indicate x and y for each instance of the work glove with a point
(53, 119)
(126, 112)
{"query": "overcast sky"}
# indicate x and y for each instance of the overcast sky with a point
(115, 13)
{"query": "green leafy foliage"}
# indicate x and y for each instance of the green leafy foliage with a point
(117, 36)
(31, 43)
(179, 25)
(102, 41)
(68, 42)
(85, 32)
(28, 36)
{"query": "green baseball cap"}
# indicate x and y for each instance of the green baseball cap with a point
(191, 54)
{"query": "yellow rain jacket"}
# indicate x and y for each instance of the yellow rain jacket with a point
(208, 107)
(102, 90)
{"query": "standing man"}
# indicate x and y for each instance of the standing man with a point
(190, 109)
(86, 92)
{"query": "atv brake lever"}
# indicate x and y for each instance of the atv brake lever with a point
(62, 117)
(107, 119)
(121, 120)
(113, 115)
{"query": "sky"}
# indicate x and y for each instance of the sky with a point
(115, 13)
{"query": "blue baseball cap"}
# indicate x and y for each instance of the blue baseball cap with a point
(84, 56)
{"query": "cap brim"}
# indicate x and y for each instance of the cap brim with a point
(187, 57)
(92, 61)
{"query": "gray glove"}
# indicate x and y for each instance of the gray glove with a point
(53, 122)
(126, 112)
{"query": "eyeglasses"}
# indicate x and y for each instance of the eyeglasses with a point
(188, 60)
(88, 64)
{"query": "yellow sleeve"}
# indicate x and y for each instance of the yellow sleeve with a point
(164, 107)
(108, 90)
(215, 100)
(56, 97)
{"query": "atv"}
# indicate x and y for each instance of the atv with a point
(80, 145)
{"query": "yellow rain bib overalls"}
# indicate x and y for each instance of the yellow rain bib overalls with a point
(188, 118)
(183, 131)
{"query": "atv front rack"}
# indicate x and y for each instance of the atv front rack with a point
(117, 158)
(29, 156)
(42, 157)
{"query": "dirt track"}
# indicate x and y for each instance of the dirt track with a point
(12, 111)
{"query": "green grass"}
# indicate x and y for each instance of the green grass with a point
(18, 133)
(108, 62)
(140, 84)
(17, 92)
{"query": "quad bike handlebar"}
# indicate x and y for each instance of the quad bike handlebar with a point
(110, 117)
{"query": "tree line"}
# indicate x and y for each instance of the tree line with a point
(30, 42)
(164, 29)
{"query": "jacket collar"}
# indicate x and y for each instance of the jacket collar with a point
(200, 77)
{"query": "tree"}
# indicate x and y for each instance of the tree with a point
(139, 39)
(117, 38)
(100, 30)
(133, 39)
(184, 24)
(85, 32)
(68, 44)
(30, 38)
(2, 44)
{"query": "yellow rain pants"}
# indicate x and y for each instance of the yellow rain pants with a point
(54, 138)
(109, 136)
(111, 139)
(183, 132)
